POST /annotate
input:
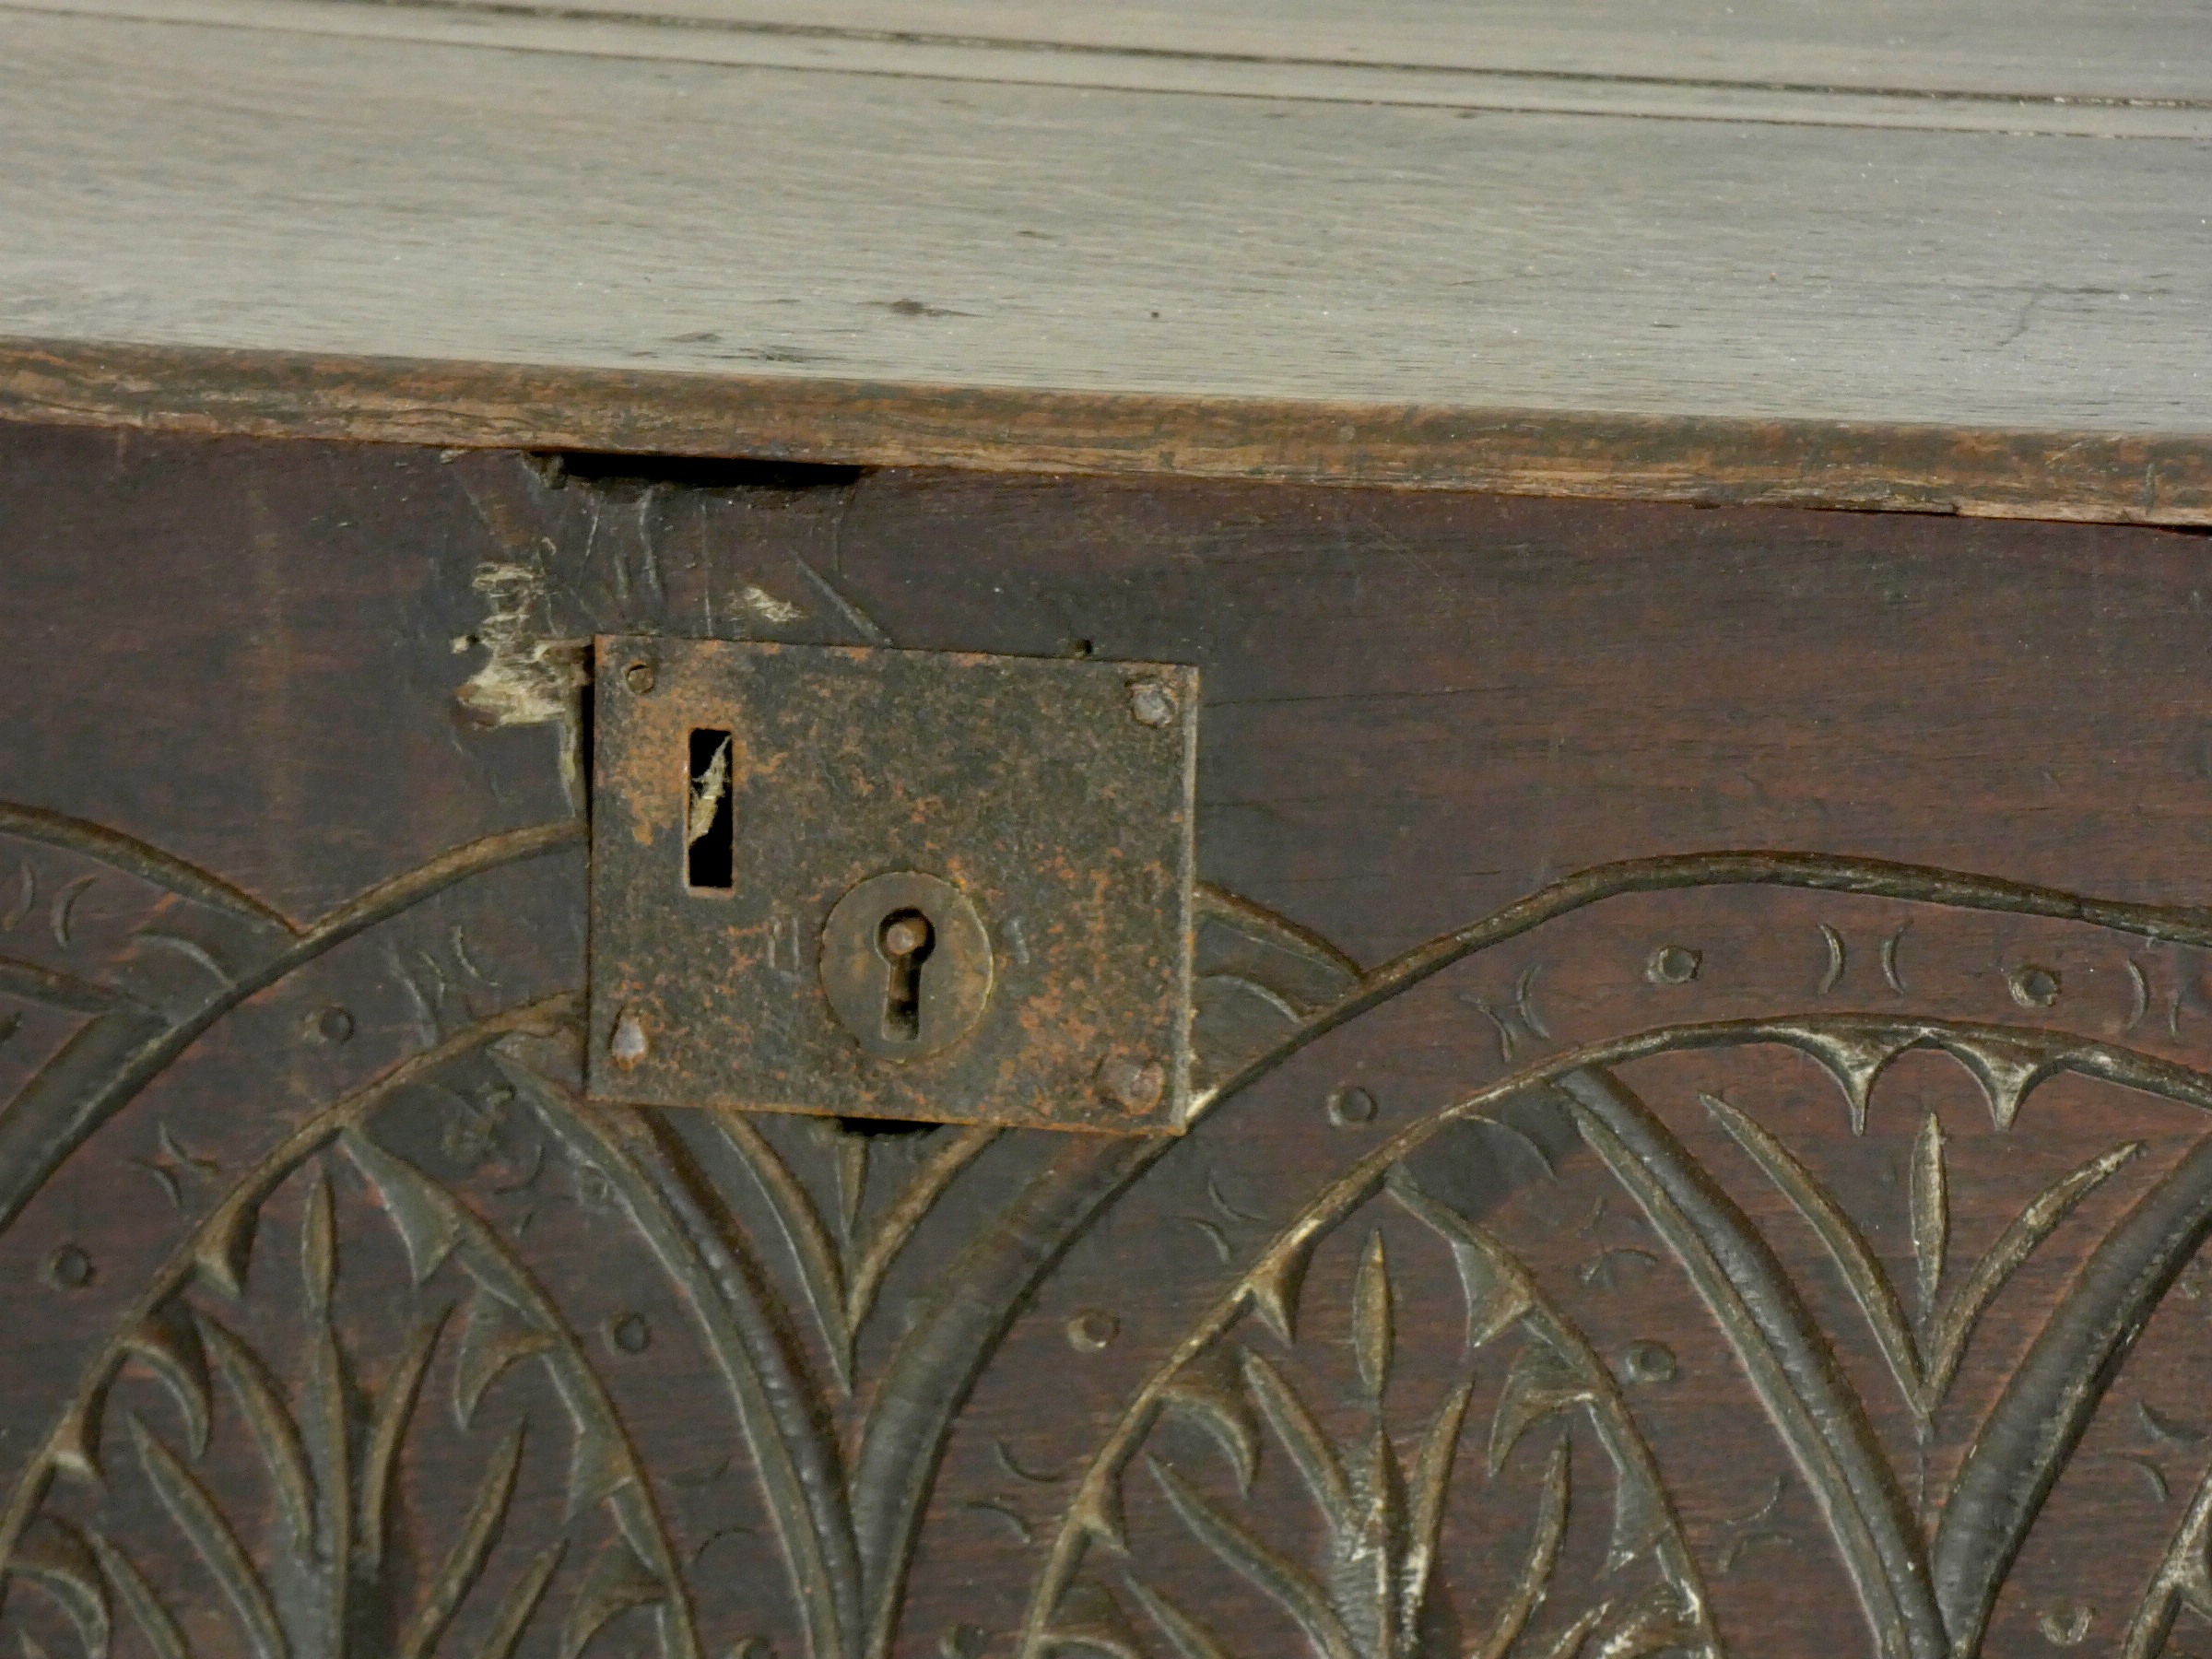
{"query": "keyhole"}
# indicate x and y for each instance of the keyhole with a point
(904, 941)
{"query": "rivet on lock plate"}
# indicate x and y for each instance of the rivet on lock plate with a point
(893, 884)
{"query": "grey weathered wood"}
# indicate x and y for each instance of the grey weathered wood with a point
(278, 189)
(563, 198)
(2130, 49)
(1496, 66)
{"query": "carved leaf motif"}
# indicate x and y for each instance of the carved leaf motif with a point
(1374, 1561)
(1542, 1383)
(615, 1583)
(1303, 1437)
(427, 1227)
(2183, 1579)
(521, 1603)
(1931, 1214)
(388, 1427)
(211, 1537)
(479, 1531)
(1653, 1622)
(269, 1419)
(1533, 1580)
(1571, 1642)
(1092, 1621)
(1364, 1591)
(1372, 1334)
(1927, 1362)
(59, 1558)
(301, 1564)
(319, 1247)
(1498, 1292)
(1846, 1246)
(1208, 1393)
(168, 1344)
(495, 1336)
(1770, 1332)
(1276, 1283)
(1955, 1322)
(1190, 1638)
(821, 1267)
(154, 1621)
(1256, 975)
(1425, 1516)
(1285, 1582)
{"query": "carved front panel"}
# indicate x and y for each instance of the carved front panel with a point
(1699, 1055)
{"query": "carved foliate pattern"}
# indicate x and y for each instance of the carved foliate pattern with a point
(1384, 1489)
(234, 1460)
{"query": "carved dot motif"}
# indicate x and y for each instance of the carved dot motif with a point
(1674, 965)
(2066, 1626)
(1087, 1333)
(632, 1333)
(1351, 1105)
(334, 1025)
(961, 1641)
(69, 1267)
(1649, 1362)
(2034, 987)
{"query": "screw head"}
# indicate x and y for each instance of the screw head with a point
(640, 677)
(1151, 703)
(628, 1045)
(1132, 1082)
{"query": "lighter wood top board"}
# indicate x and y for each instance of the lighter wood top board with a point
(1965, 216)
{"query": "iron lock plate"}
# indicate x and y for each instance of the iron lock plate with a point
(893, 884)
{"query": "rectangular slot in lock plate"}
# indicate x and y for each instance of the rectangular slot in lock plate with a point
(893, 884)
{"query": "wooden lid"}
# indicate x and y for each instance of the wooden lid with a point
(1955, 261)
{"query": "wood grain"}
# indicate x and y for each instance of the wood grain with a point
(784, 235)
(2086, 476)
(1736, 1185)
(1162, 59)
(2140, 49)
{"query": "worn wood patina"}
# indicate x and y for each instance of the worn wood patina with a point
(1678, 536)
(1699, 1067)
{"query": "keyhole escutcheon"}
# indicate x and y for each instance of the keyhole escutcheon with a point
(904, 941)
(906, 964)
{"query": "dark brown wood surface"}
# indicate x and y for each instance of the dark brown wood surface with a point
(1705, 1017)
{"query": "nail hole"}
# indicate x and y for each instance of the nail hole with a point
(1088, 1332)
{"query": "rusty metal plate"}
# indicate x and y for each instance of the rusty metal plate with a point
(893, 884)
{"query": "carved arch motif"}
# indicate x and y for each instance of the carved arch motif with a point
(779, 1239)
